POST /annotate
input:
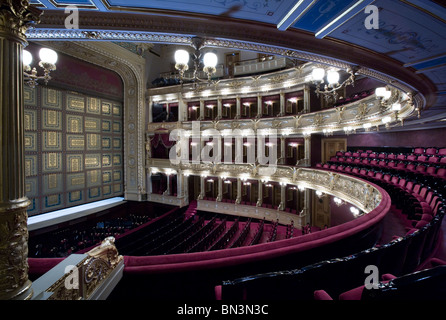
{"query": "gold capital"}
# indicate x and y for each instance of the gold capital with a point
(17, 16)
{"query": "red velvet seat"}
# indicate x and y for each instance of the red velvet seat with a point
(431, 170)
(418, 150)
(411, 157)
(434, 159)
(382, 155)
(391, 156)
(421, 168)
(442, 152)
(431, 151)
(422, 158)
(441, 173)
(391, 164)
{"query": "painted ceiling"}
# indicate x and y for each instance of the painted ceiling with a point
(410, 31)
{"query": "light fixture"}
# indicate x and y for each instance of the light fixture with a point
(48, 60)
(396, 106)
(210, 61)
(355, 211)
(327, 132)
(332, 78)
(367, 126)
(386, 121)
(338, 201)
(349, 130)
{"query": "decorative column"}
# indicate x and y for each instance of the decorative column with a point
(201, 117)
(282, 196)
(307, 148)
(238, 107)
(282, 104)
(260, 193)
(149, 181)
(167, 192)
(219, 109)
(186, 187)
(282, 150)
(180, 193)
(239, 191)
(202, 188)
(305, 215)
(15, 18)
(306, 99)
(167, 111)
(259, 106)
(220, 189)
(182, 109)
(149, 104)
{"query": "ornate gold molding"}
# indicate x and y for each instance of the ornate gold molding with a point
(91, 273)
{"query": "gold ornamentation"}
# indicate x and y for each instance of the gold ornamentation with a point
(363, 110)
(18, 16)
(278, 79)
(93, 270)
(340, 113)
(236, 84)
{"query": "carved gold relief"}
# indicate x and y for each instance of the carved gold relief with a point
(92, 271)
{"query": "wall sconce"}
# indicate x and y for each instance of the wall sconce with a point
(327, 132)
(367, 126)
(338, 201)
(48, 60)
(332, 85)
(386, 121)
(349, 130)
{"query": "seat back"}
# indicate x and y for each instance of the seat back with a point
(430, 151)
(418, 150)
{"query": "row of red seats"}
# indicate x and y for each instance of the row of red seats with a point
(430, 151)
(434, 159)
(434, 171)
(416, 200)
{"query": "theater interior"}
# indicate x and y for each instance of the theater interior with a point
(223, 150)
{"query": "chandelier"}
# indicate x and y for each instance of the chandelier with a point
(329, 87)
(48, 59)
(209, 62)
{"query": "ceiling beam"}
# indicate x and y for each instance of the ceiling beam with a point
(299, 9)
(342, 18)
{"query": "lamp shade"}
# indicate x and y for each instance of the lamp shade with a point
(386, 119)
(332, 77)
(396, 106)
(27, 58)
(48, 56)
(210, 60)
(381, 91)
(318, 74)
(181, 56)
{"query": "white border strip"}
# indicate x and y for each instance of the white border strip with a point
(63, 215)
